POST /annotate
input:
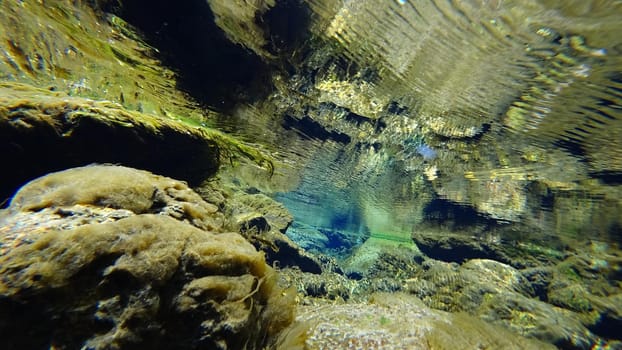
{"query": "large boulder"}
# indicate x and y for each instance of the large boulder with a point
(108, 257)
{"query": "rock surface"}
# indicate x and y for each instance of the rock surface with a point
(395, 321)
(501, 294)
(569, 300)
(262, 221)
(90, 89)
(38, 125)
(111, 257)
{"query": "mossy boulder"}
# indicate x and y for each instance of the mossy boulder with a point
(45, 131)
(108, 257)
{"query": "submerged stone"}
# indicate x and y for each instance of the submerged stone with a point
(46, 131)
(503, 295)
(111, 257)
(395, 321)
(262, 221)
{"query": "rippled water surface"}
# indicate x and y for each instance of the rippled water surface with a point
(510, 109)
(383, 117)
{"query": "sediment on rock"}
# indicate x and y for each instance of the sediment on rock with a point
(113, 257)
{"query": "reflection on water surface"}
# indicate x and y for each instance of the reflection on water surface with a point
(509, 108)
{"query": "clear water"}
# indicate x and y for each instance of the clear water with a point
(509, 108)
(495, 120)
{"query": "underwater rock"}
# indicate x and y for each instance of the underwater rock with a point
(276, 216)
(280, 250)
(381, 258)
(588, 284)
(99, 189)
(111, 257)
(82, 54)
(558, 293)
(374, 267)
(326, 286)
(501, 294)
(456, 247)
(568, 303)
(263, 222)
(395, 321)
(45, 131)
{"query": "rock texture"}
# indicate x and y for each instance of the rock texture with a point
(44, 131)
(516, 299)
(569, 300)
(263, 222)
(396, 321)
(89, 89)
(108, 257)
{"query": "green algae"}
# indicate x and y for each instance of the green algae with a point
(86, 54)
(400, 238)
(65, 114)
(89, 54)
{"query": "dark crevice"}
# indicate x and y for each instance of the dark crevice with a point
(397, 108)
(286, 25)
(40, 150)
(608, 326)
(311, 129)
(357, 118)
(573, 147)
(212, 69)
(453, 215)
(289, 256)
(608, 177)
